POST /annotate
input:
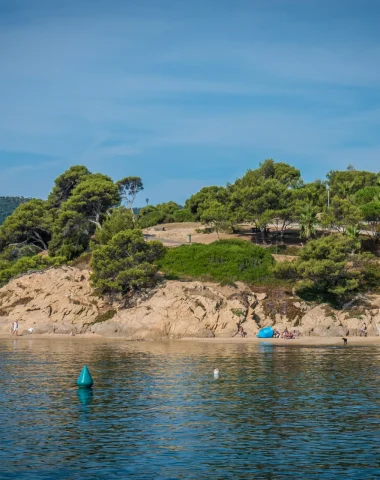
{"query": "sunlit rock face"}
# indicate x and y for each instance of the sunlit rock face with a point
(62, 301)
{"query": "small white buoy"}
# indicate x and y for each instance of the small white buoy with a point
(216, 372)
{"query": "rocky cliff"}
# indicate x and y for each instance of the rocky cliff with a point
(62, 301)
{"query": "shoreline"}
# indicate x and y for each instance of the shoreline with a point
(302, 341)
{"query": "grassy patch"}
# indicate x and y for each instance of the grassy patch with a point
(225, 261)
(103, 317)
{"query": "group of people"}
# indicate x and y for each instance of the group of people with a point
(285, 334)
(276, 333)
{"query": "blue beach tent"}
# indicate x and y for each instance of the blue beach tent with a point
(266, 332)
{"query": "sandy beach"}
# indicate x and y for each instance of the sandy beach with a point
(298, 341)
(235, 340)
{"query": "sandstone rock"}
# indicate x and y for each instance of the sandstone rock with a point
(261, 296)
(56, 296)
(205, 333)
(62, 301)
(325, 331)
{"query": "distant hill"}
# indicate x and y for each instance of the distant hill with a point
(8, 205)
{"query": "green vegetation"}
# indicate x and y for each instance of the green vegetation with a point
(214, 217)
(331, 226)
(129, 187)
(274, 195)
(330, 268)
(11, 269)
(224, 261)
(308, 221)
(284, 250)
(28, 225)
(118, 220)
(125, 263)
(65, 184)
(8, 205)
(197, 203)
(103, 317)
(169, 212)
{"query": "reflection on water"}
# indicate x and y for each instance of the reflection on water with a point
(85, 395)
(157, 412)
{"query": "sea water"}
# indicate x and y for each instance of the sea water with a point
(156, 411)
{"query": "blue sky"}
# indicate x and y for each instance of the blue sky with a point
(186, 93)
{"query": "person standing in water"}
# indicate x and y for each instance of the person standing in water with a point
(15, 328)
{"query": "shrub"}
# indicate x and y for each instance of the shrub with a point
(328, 269)
(125, 263)
(286, 270)
(183, 215)
(9, 270)
(103, 317)
(224, 261)
(119, 220)
(285, 250)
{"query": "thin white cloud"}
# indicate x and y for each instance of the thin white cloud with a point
(258, 77)
(29, 167)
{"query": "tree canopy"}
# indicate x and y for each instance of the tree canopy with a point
(118, 220)
(65, 184)
(337, 218)
(344, 183)
(29, 224)
(331, 267)
(270, 170)
(198, 202)
(168, 212)
(215, 215)
(129, 187)
(125, 263)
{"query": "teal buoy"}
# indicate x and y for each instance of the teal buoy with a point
(85, 380)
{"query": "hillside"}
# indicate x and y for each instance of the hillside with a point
(61, 301)
(268, 228)
(8, 205)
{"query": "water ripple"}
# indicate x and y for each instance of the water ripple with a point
(157, 412)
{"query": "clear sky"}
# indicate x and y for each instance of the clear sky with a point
(186, 93)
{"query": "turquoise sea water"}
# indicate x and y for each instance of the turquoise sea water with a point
(156, 411)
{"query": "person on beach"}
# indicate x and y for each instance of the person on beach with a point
(289, 335)
(238, 329)
(363, 330)
(285, 333)
(15, 328)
